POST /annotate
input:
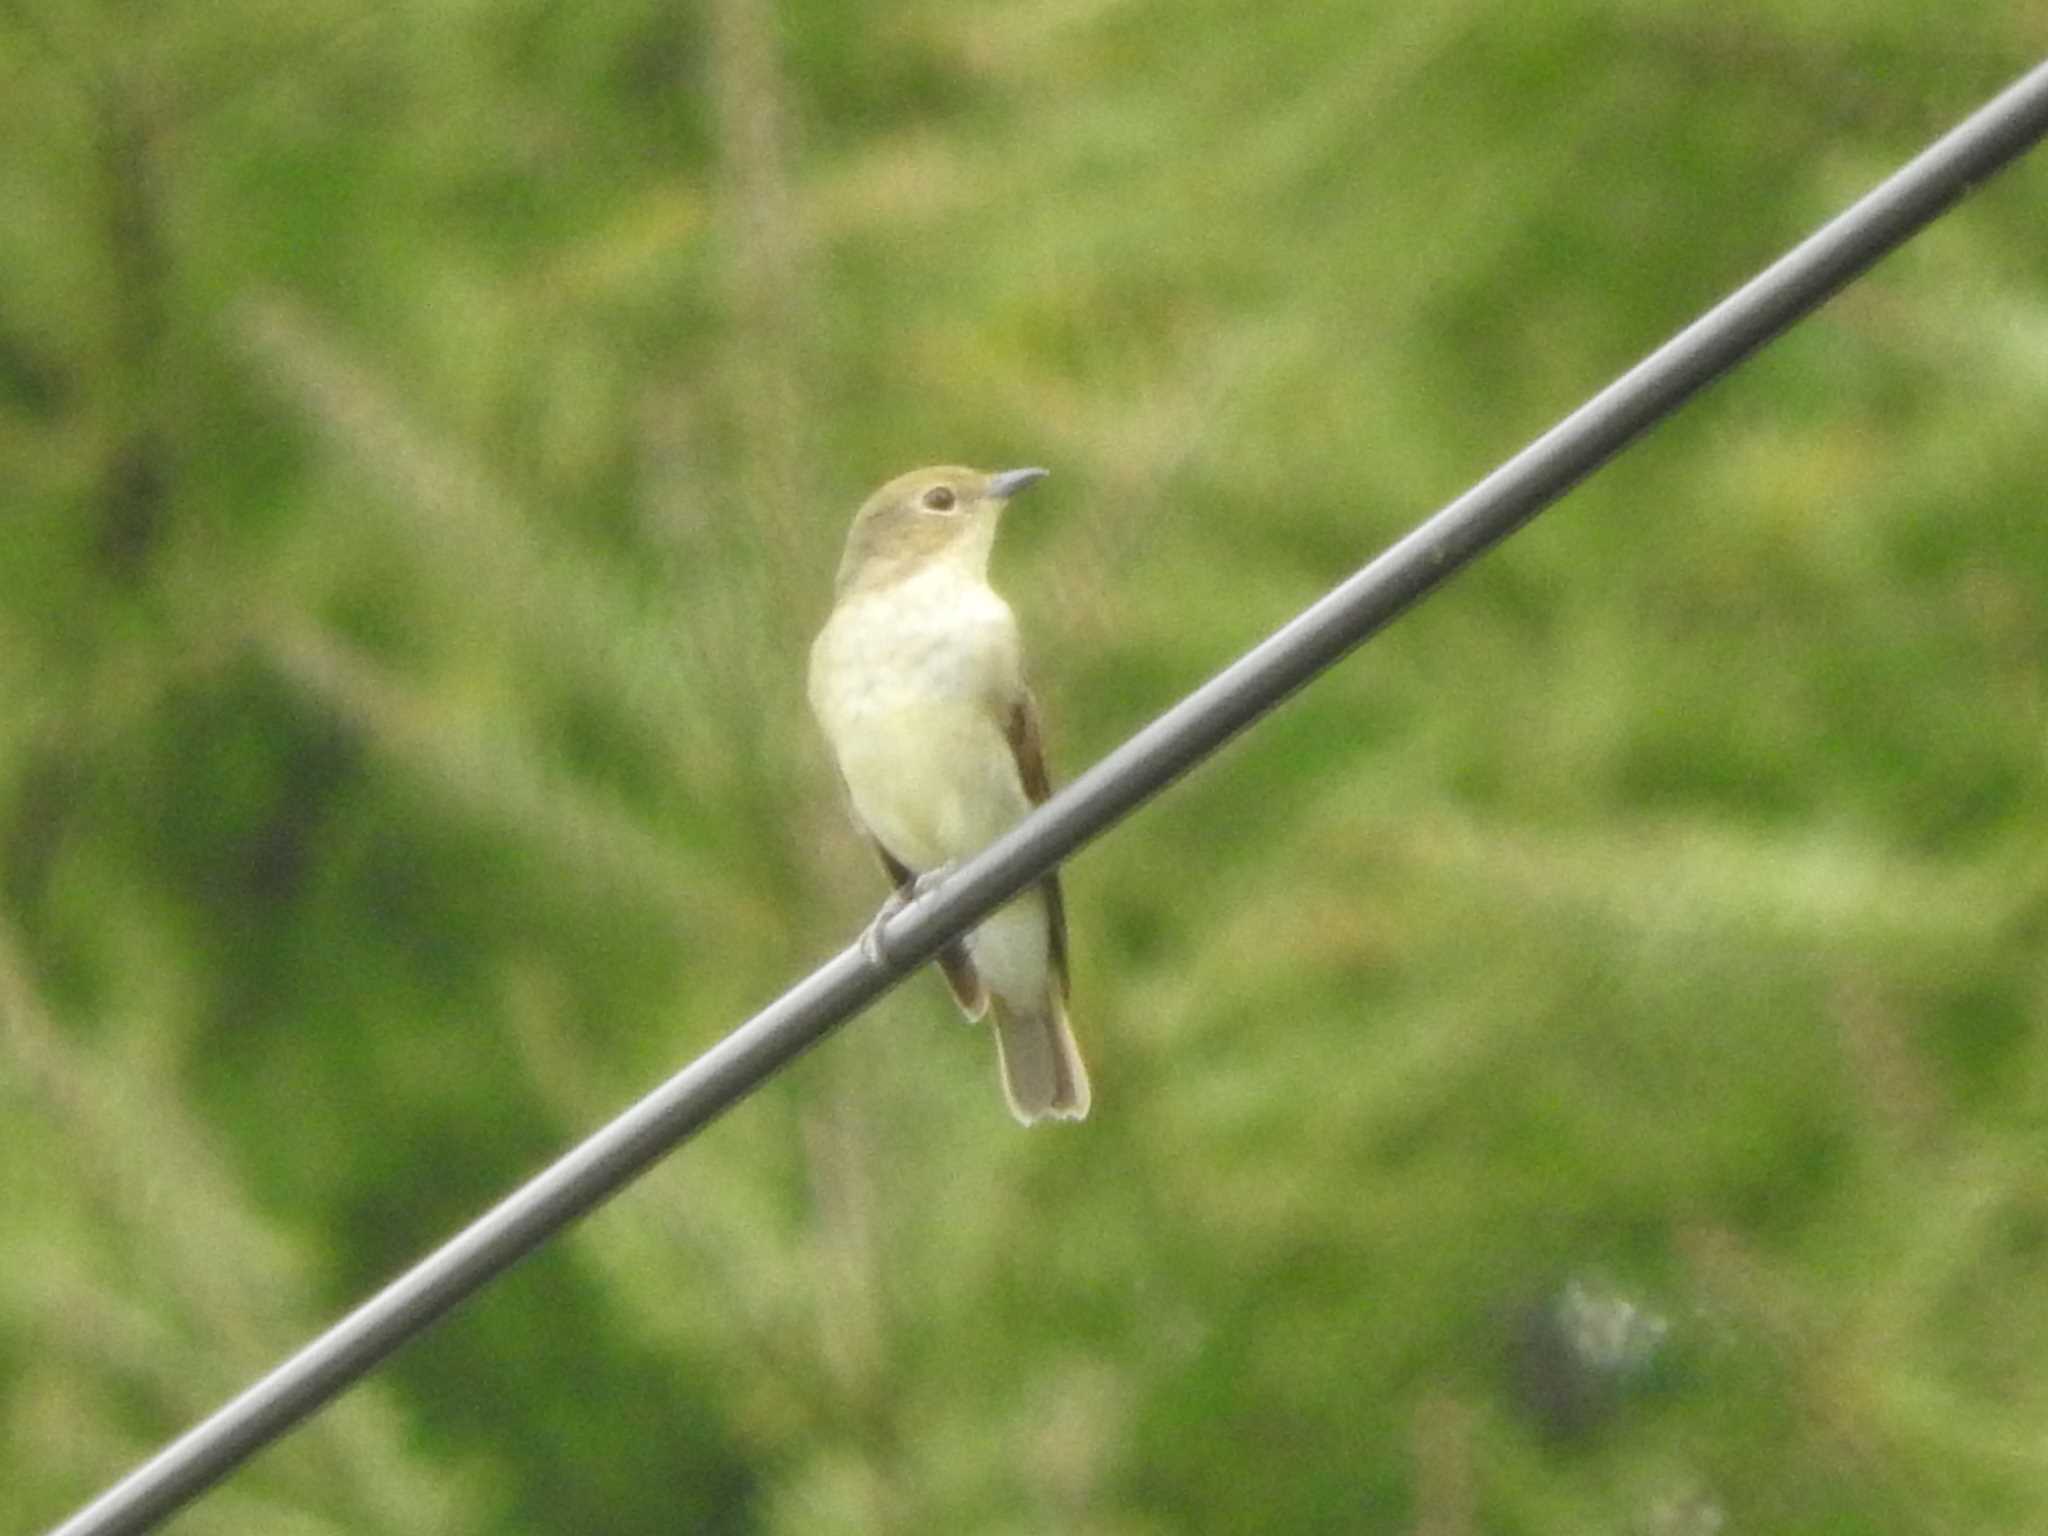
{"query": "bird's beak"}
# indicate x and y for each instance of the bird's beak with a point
(1001, 487)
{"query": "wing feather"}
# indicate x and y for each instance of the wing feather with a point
(1026, 745)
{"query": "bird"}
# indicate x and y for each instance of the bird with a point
(917, 683)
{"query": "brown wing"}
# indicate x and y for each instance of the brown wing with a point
(952, 961)
(1022, 730)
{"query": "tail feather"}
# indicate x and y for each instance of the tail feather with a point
(1043, 1075)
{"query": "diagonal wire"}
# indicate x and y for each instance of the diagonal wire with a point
(1791, 287)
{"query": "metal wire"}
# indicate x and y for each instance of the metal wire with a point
(1911, 198)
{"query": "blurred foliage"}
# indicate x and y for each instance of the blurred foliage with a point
(1579, 1067)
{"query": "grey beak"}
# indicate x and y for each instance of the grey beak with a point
(1008, 483)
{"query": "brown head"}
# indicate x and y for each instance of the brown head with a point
(942, 513)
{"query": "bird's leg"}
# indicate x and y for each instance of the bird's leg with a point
(871, 937)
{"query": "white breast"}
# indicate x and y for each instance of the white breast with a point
(911, 684)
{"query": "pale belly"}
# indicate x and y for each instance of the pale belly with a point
(933, 779)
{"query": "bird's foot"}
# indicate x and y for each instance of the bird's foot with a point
(871, 946)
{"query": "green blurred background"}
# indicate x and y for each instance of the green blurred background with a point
(1580, 1067)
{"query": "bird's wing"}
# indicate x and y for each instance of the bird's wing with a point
(1021, 727)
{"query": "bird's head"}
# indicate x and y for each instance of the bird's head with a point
(929, 515)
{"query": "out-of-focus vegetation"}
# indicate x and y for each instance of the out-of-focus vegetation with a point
(1580, 1067)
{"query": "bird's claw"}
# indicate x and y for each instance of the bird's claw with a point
(871, 936)
(872, 947)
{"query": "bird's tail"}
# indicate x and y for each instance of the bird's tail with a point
(1043, 1076)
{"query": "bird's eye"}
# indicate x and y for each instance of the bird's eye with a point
(940, 498)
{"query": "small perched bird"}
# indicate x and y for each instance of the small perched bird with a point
(917, 680)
